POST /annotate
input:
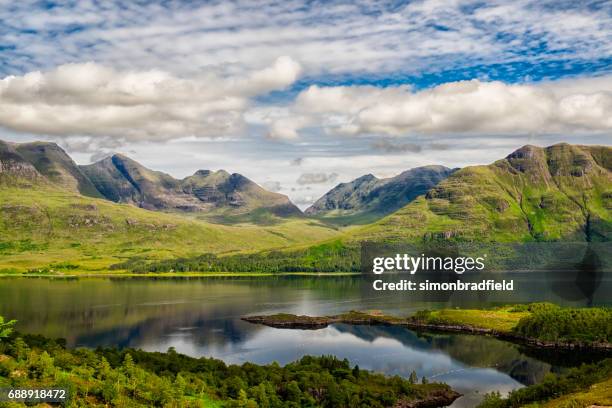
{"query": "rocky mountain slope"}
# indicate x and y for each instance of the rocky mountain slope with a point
(368, 198)
(43, 162)
(227, 197)
(558, 192)
(121, 179)
(48, 223)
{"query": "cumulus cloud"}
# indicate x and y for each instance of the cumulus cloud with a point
(463, 107)
(316, 178)
(88, 99)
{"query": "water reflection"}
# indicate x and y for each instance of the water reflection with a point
(452, 359)
(201, 317)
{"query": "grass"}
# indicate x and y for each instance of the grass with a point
(43, 227)
(502, 319)
(599, 394)
(542, 201)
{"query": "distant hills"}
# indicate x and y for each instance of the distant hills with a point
(368, 198)
(53, 218)
(230, 197)
(121, 179)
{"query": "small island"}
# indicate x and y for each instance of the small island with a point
(540, 325)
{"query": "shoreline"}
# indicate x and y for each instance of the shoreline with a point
(287, 321)
(174, 274)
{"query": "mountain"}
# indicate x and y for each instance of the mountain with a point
(368, 198)
(231, 196)
(14, 168)
(216, 195)
(558, 192)
(44, 161)
(51, 220)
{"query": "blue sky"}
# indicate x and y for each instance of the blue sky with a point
(347, 88)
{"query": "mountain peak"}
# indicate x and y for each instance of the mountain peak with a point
(534, 194)
(122, 179)
(53, 163)
(369, 198)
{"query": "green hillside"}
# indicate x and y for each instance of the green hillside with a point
(562, 192)
(558, 193)
(43, 226)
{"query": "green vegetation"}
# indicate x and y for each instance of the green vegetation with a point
(502, 319)
(580, 387)
(562, 192)
(541, 321)
(333, 256)
(136, 378)
(43, 228)
(6, 328)
(553, 323)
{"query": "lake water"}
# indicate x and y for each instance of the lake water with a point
(201, 317)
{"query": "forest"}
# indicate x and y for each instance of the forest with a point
(136, 378)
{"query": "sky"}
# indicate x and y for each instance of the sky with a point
(302, 95)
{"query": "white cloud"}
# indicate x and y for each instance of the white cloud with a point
(337, 37)
(89, 99)
(464, 107)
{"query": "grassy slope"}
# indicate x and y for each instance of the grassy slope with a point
(558, 193)
(599, 394)
(502, 319)
(43, 225)
(546, 196)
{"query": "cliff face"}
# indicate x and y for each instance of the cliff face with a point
(52, 162)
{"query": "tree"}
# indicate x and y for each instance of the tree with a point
(413, 377)
(6, 328)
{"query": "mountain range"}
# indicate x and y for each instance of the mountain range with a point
(215, 195)
(122, 180)
(54, 212)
